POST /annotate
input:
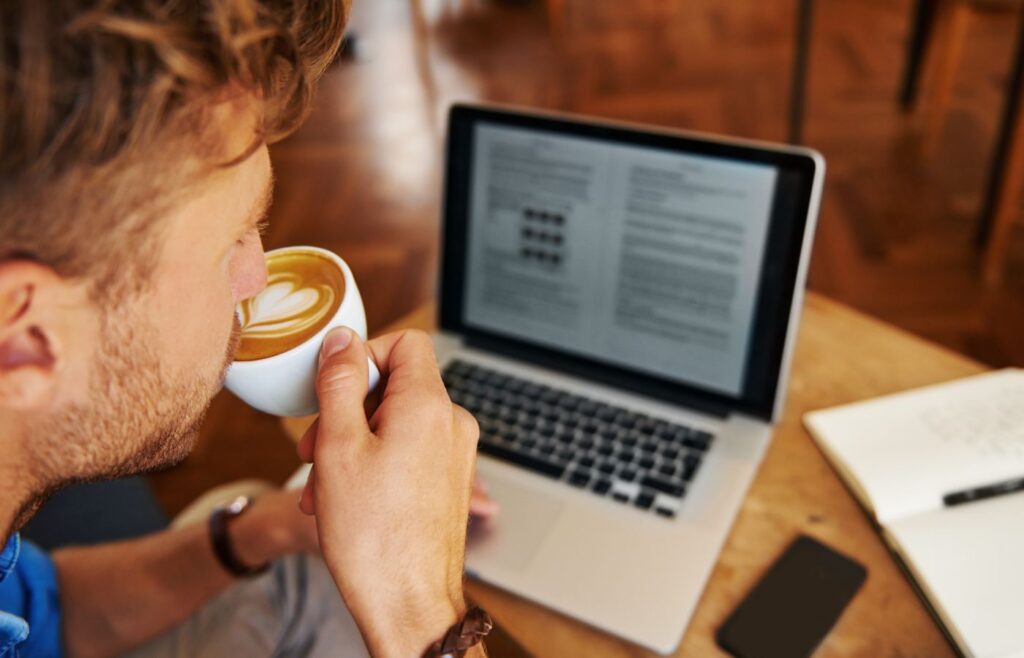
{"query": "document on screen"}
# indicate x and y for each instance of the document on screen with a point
(638, 257)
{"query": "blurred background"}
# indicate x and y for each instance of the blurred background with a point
(924, 159)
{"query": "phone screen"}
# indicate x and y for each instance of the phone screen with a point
(794, 605)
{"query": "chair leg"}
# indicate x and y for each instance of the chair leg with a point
(918, 47)
(556, 16)
(1006, 212)
(954, 17)
(1007, 175)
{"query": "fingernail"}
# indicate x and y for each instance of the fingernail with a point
(336, 341)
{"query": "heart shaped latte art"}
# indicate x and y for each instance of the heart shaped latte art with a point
(285, 307)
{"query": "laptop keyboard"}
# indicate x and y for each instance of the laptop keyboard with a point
(630, 457)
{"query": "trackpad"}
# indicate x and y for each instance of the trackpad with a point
(512, 539)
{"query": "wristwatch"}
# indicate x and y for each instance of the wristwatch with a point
(463, 636)
(223, 549)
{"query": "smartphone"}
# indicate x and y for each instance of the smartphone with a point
(794, 605)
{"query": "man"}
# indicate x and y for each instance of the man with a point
(134, 174)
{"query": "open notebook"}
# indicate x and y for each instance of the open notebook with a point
(902, 454)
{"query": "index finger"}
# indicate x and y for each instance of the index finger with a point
(406, 359)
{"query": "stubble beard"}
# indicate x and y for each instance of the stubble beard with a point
(138, 418)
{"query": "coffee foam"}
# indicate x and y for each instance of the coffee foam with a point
(303, 293)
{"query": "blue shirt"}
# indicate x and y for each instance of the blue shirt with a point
(28, 599)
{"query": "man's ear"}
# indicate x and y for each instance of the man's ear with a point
(28, 352)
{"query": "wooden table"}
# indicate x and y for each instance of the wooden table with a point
(842, 356)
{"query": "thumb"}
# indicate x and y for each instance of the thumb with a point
(341, 385)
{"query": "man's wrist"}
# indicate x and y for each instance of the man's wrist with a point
(409, 632)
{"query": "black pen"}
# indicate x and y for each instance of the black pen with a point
(981, 493)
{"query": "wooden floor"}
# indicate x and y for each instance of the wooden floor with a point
(362, 177)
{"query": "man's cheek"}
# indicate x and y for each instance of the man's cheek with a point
(208, 338)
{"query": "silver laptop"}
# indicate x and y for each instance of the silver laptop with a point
(618, 306)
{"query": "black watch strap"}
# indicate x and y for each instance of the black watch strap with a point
(221, 540)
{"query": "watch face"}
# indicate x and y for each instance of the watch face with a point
(236, 506)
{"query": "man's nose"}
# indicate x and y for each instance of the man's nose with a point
(251, 274)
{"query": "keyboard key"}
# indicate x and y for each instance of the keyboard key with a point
(646, 461)
(579, 478)
(533, 390)
(698, 440)
(496, 380)
(674, 490)
(607, 467)
(535, 464)
(667, 468)
(601, 487)
(690, 464)
(571, 402)
(456, 366)
(587, 462)
(666, 512)
(627, 474)
(620, 497)
(644, 500)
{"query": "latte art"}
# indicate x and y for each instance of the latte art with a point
(285, 307)
(304, 291)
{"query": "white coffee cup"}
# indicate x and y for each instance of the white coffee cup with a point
(285, 384)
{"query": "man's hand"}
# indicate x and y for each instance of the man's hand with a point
(391, 493)
(273, 528)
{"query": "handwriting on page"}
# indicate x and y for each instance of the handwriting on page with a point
(992, 425)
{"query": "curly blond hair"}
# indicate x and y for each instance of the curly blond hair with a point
(103, 101)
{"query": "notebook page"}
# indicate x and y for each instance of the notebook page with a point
(969, 561)
(906, 451)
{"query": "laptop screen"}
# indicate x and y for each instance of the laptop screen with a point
(640, 259)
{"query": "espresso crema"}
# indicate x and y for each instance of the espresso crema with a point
(304, 290)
